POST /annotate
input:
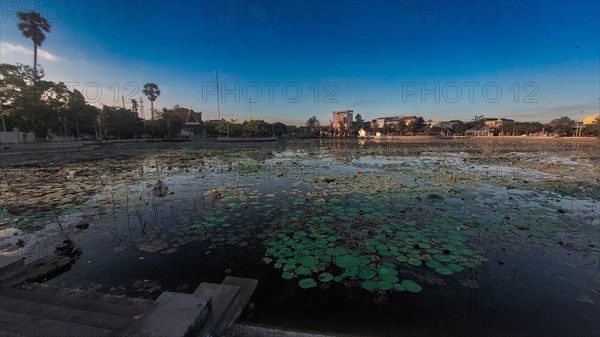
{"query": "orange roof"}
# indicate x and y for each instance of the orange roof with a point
(189, 117)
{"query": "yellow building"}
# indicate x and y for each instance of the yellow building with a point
(342, 121)
(587, 120)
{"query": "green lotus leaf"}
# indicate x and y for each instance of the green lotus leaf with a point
(434, 197)
(391, 279)
(442, 258)
(444, 271)
(411, 286)
(307, 283)
(455, 267)
(365, 272)
(370, 285)
(308, 261)
(302, 270)
(414, 261)
(347, 261)
(267, 260)
(287, 275)
(384, 285)
(289, 267)
(469, 264)
(325, 277)
(433, 264)
(399, 287)
(351, 271)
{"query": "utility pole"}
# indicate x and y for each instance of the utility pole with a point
(218, 98)
(99, 129)
(2, 115)
(142, 108)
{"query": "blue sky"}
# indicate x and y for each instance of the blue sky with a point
(441, 60)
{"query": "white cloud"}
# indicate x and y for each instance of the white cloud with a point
(10, 48)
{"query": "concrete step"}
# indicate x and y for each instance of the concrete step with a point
(174, 315)
(247, 287)
(78, 299)
(42, 311)
(223, 297)
(251, 330)
(16, 324)
(38, 271)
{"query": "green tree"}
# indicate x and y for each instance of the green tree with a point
(432, 131)
(521, 128)
(562, 126)
(256, 128)
(134, 105)
(223, 127)
(152, 92)
(312, 123)
(33, 26)
(172, 123)
(458, 128)
(82, 117)
(292, 130)
(278, 129)
(13, 80)
(417, 126)
(375, 125)
(120, 122)
(358, 124)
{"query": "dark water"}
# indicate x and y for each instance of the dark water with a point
(541, 279)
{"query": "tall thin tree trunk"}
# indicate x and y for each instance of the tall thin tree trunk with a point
(152, 109)
(34, 63)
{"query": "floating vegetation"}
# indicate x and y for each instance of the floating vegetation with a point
(382, 218)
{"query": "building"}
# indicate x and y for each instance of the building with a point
(409, 119)
(191, 123)
(395, 120)
(479, 132)
(342, 120)
(439, 124)
(381, 122)
(497, 122)
(588, 120)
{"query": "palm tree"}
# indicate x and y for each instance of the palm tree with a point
(312, 123)
(374, 124)
(32, 26)
(152, 92)
(134, 105)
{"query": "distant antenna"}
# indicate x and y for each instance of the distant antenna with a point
(142, 108)
(123, 100)
(218, 97)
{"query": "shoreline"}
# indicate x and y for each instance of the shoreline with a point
(28, 148)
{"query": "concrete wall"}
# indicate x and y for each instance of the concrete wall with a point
(16, 137)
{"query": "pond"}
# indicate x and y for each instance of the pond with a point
(415, 237)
